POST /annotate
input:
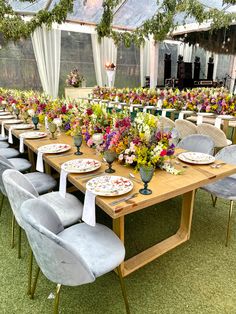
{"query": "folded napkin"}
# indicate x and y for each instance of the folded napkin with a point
(3, 130)
(218, 122)
(10, 139)
(62, 184)
(131, 108)
(163, 114)
(39, 163)
(181, 116)
(21, 149)
(199, 119)
(89, 214)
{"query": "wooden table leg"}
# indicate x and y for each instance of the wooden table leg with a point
(225, 126)
(31, 159)
(119, 229)
(150, 254)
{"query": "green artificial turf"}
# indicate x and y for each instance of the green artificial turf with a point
(196, 277)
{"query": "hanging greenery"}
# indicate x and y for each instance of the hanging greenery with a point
(13, 27)
(163, 22)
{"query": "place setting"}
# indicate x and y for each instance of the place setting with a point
(22, 126)
(49, 149)
(30, 135)
(11, 121)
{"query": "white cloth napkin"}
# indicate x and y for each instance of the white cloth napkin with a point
(10, 139)
(63, 181)
(89, 214)
(21, 149)
(131, 108)
(3, 130)
(163, 114)
(181, 115)
(159, 104)
(218, 122)
(199, 119)
(39, 163)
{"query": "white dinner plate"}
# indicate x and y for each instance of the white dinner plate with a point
(109, 185)
(54, 148)
(196, 158)
(6, 117)
(33, 135)
(22, 126)
(81, 165)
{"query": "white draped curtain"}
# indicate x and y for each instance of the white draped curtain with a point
(104, 51)
(47, 50)
(232, 73)
(186, 51)
(149, 54)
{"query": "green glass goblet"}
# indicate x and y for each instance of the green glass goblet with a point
(25, 116)
(109, 157)
(52, 129)
(17, 113)
(146, 173)
(35, 121)
(78, 139)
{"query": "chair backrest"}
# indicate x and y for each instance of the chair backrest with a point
(185, 128)
(166, 123)
(59, 261)
(228, 154)
(4, 164)
(215, 133)
(18, 189)
(197, 143)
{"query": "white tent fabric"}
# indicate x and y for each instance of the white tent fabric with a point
(104, 51)
(47, 50)
(186, 51)
(154, 56)
(232, 73)
(144, 61)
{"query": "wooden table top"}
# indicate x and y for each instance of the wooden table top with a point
(163, 185)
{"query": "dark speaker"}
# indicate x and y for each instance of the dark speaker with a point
(167, 67)
(197, 68)
(184, 70)
(147, 81)
(210, 71)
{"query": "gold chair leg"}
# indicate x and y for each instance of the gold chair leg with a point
(1, 205)
(12, 231)
(19, 242)
(229, 222)
(122, 284)
(35, 283)
(57, 298)
(214, 199)
(30, 272)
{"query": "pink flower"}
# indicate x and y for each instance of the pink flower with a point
(90, 142)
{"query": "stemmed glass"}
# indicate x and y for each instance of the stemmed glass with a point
(25, 116)
(52, 129)
(9, 108)
(199, 107)
(17, 112)
(78, 139)
(146, 173)
(109, 156)
(3, 106)
(35, 121)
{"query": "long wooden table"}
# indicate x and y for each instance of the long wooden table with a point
(163, 185)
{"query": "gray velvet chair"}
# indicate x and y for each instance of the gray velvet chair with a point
(225, 188)
(81, 253)
(4, 144)
(197, 143)
(9, 152)
(19, 188)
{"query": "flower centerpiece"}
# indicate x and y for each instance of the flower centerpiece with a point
(75, 79)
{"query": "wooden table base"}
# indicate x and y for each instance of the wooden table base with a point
(150, 254)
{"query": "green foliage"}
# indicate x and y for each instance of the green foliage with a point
(162, 23)
(13, 27)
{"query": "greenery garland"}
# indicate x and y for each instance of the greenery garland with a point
(163, 23)
(13, 27)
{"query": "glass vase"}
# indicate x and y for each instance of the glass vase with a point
(146, 174)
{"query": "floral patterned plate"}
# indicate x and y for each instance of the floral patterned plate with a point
(6, 117)
(109, 185)
(12, 121)
(4, 113)
(22, 126)
(54, 148)
(196, 158)
(33, 134)
(81, 165)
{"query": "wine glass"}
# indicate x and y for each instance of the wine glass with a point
(25, 116)
(146, 173)
(199, 107)
(109, 156)
(58, 123)
(52, 129)
(78, 139)
(3, 105)
(9, 108)
(35, 121)
(17, 112)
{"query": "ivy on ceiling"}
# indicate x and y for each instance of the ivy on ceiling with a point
(163, 22)
(13, 27)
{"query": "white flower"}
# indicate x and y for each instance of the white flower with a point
(31, 112)
(121, 157)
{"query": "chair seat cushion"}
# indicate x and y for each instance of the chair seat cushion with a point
(9, 152)
(68, 209)
(225, 188)
(101, 249)
(42, 182)
(229, 142)
(3, 138)
(21, 164)
(4, 144)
